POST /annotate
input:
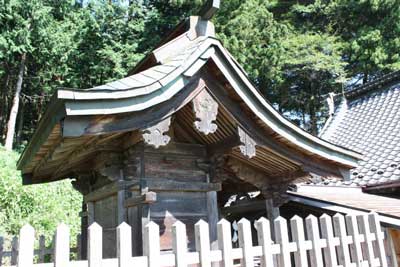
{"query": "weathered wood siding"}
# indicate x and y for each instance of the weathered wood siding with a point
(175, 201)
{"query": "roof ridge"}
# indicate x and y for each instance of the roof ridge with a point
(373, 85)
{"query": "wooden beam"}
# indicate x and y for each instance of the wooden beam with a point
(248, 206)
(94, 125)
(109, 190)
(224, 146)
(172, 185)
(146, 198)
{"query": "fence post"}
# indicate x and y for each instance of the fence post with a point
(14, 250)
(340, 231)
(366, 232)
(202, 237)
(313, 235)
(331, 241)
(246, 243)
(355, 247)
(42, 248)
(78, 247)
(26, 246)
(151, 244)
(1, 249)
(124, 245)
(225, 242)
(300, 256)
(61, 253)
(265, 241)
(282, 238)
(376, 229)
(95, 245)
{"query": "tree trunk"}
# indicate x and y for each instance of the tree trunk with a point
(15, 105)
(4, 104)
(20, 125)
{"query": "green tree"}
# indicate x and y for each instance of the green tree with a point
(32, 43)
(369, 30)
(31, 204)
(292, 68)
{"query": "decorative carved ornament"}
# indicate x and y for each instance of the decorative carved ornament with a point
(155, 136)
(206, 110)
(248, 147)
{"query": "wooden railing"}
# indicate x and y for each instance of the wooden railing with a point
(325, 241)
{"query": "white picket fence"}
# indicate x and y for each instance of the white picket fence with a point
(42, 253)
(327, 241)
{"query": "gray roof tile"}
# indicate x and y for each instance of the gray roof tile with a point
(368, 121)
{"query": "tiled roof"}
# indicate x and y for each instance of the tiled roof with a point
(368, 121)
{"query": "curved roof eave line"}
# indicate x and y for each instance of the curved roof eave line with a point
(284, 127)
(288, 128)
(100, 92)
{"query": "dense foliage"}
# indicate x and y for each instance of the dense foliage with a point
(295, 51)
(43, 206)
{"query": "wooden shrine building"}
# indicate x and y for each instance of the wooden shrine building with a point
(174, 140)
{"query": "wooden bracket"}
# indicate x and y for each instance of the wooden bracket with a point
(155, 136)
(206, 110)
(248, 147)
(146, 198)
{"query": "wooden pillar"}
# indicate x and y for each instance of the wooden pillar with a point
(84, 227)
(212, 211)
(120, 202)
(272, 211)
(90, 212)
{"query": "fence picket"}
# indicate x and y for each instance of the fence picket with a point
(325, 248)
(313, 235)
(297, 227)
(26, 246)
(331, 241)
(263, 228)
(124, 245)
(340, 231)
(179, 243)
(61, 253)
(282, 238)
(151, 244)
(246, 243)
(378, 244)
(225, 242)
(202, 238)
(95, 245)
(368, 249)
(355, 246)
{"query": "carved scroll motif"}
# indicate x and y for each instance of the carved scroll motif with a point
(155, 136)
(206, 110)
(248, 147)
